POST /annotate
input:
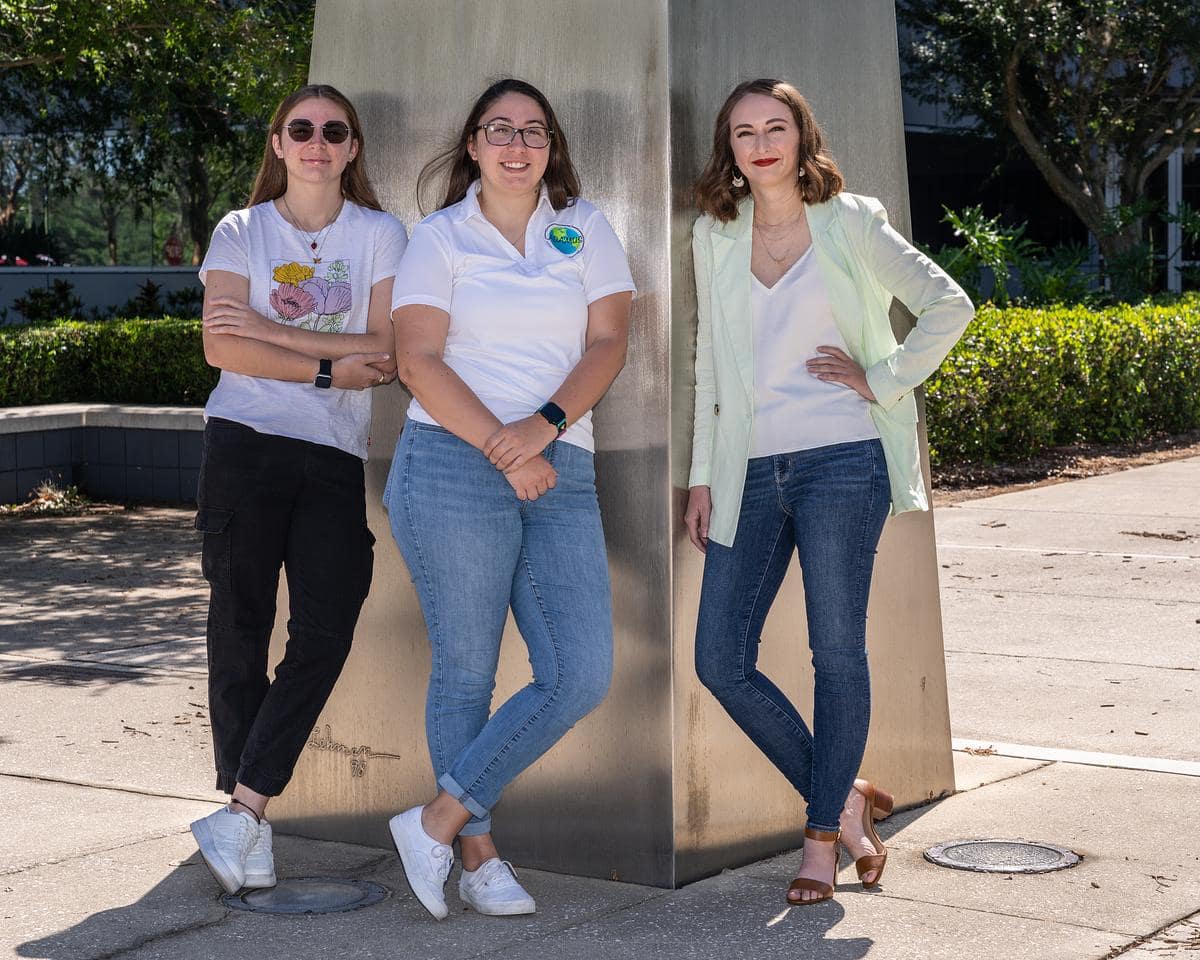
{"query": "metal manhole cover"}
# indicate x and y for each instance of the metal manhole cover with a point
(309, 895)
(1001, 856)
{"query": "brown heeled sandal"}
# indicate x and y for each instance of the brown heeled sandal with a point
(879, 804)
(816, 886)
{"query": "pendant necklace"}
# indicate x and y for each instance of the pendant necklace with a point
(315, 240)
(767, 248)
(763, 238)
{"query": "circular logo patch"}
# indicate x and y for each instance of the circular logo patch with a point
(564, 239)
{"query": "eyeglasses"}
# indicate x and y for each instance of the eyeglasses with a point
(334, 131)
(502, 134)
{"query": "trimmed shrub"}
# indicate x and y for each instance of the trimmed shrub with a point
(1019, 380)
(1024, 379)
(119, 361)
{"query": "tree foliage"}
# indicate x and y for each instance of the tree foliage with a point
(156, 98)
(1096, 92)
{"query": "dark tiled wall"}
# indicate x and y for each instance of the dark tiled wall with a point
(114, 463)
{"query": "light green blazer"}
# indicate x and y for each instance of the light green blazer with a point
(864, 263)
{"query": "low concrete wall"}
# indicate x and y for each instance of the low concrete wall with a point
(99, 287)
(109, 451)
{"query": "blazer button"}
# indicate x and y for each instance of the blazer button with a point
(716, 409)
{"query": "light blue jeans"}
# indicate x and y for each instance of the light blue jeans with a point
(828, 505)
(473, 550)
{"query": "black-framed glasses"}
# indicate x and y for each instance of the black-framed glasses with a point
(502, 134)
(334, 131)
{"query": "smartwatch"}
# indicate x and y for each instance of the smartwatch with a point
(324, 378)
(554, 415)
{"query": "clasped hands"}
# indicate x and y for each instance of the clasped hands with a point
(355, 371)
(516, 451)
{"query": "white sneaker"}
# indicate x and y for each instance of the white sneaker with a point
(225, 839)
(426, 862)
(260, 861)
(494, 889)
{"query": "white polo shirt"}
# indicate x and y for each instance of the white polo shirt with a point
(517, 324)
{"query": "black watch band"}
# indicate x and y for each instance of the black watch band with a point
(555, 416)
(324, 378)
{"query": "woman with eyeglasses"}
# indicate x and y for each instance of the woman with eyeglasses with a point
(511, 312)
(805, 436)
(298, 291)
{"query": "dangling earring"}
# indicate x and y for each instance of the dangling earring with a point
(738, 180)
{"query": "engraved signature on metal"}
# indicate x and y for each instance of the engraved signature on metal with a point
(358, 755)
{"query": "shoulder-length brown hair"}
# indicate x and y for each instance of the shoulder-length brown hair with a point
(455, 165)
(821, 179)
(271, 181)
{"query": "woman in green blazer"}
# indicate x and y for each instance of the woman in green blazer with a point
(805, 437)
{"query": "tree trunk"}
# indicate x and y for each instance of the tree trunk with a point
(197, 199)
(8, 199)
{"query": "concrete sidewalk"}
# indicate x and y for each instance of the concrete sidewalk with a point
(1072, 621)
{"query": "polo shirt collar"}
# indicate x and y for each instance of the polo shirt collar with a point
(468, 207)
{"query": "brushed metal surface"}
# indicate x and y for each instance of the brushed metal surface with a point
(656, 786)
(413, 70)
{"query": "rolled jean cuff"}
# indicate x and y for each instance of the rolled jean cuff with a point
(811, 825)
(481, 820)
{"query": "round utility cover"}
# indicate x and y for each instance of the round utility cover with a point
(309, 895)
(1001, 856)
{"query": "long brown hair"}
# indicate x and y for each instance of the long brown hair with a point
(821, 179)
(460, 171)
(271, 181)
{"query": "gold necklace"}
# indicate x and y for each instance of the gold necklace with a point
(767, 247)
(316, 241)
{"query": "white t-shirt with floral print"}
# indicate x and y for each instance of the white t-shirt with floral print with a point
(327, 290)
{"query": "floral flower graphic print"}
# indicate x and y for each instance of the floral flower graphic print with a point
(302, 298)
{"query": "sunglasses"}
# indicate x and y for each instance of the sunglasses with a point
(334, 131)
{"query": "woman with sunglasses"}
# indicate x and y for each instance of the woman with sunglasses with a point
(298, 290)
(805, 436)
(511, 312)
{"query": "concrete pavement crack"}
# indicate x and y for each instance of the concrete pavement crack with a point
(1060, 594)
(1015, 916)
(17, 661)
(92, 851)
(115, 787)
(1034, 656)
(166, 935)
(1149, 937)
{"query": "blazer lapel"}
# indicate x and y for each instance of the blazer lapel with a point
(838, 273)
(731, 283)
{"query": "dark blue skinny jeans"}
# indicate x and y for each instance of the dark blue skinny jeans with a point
(829, 505)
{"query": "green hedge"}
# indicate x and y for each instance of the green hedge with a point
(1019, 380)
(116, 361)
(1024, 379)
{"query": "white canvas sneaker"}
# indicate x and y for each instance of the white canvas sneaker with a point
(225, 839)
(494, 889)
(426, 862)
(260, 861)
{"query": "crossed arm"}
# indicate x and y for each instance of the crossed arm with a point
(239, 339)
(514, 448)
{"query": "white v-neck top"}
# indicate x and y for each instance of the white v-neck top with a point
(793, 410)
(518, 324)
